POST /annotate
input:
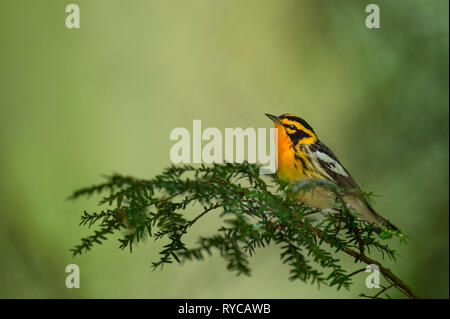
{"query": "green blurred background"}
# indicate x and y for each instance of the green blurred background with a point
(76, 104)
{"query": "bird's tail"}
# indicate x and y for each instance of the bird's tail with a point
(371, 216)
(381, 221)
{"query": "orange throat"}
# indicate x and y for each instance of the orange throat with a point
(287, 167)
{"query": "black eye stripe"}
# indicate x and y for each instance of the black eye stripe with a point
(291, 126)
(297, 119)
(298, 136)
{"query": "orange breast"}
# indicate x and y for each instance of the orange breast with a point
(288, 166)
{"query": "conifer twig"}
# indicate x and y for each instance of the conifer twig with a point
(255, 214)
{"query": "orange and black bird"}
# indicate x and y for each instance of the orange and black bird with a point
(302, 156)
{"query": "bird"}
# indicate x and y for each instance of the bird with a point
(302, 156)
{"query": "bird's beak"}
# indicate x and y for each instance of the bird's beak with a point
(274, 118)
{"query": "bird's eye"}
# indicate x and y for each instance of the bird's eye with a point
(292, 127)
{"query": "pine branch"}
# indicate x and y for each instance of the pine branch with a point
(255, 213)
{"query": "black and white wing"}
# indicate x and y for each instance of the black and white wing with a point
(332, 167)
